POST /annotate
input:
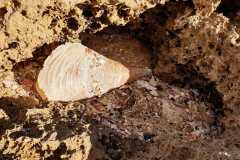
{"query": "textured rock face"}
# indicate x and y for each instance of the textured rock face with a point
(182, 100)
(26, 25)
(211, 48)
(40, 135)
(209, 45)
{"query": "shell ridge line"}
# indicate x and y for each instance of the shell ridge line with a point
(66, 68)
(58, 78)
(48, 64)
(70, 61)
(76, 74)
(73, 75)
(52, 72)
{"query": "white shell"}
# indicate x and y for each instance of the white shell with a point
(74, 72)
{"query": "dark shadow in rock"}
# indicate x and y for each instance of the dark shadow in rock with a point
(4, 124)
(72, 23)
(113, 141)
(63, 130)
(206, 92)
(3, 11)
(229, 8)
(7, 156)
(68, 128)
(62, 149)
(66, 125)
(16, 109)
(29, 129)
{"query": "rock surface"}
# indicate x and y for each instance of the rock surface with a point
(50, 21)
(183, 110)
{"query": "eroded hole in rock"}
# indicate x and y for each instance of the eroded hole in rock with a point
(88, 10)
(61, 150)
(95, 25)
(24, 12)
(206, 91)
(3, 11)
(123, 11)
(16, 3)
(53, 23)
(229, 8)
(31, 129)
(104, 17)
(13, 45)
(72, 23)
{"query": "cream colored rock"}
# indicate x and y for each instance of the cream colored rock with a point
(74, 72)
